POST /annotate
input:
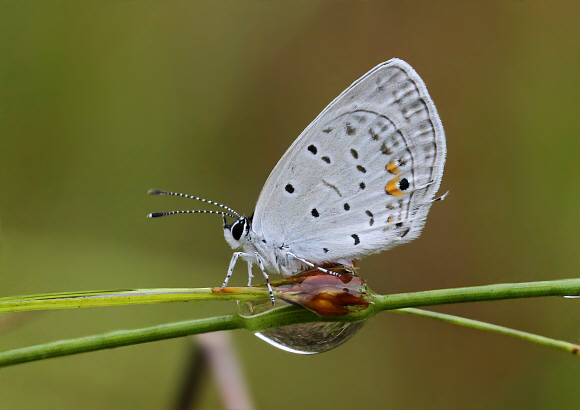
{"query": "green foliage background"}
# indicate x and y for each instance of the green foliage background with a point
(102, 100)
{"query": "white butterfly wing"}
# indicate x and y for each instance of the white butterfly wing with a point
(361, 177)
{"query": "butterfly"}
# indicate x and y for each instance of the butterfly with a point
(360, 179)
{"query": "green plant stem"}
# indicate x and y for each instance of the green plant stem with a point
(477, 324)
(116, 339)
(286, 315)
(73, 300)
(293, 314)
(562, 287)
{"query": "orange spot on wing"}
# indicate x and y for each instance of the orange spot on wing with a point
(392, 187)
(392, 168)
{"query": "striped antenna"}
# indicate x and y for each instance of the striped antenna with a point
(160, 192)
(191, 211)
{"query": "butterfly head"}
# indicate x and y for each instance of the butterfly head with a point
(236, 234)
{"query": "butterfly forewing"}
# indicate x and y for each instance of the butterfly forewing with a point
(361, 177)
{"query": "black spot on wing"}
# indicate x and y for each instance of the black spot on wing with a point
(370, 215)
(350, 130)
(356, 238)
(385, 150)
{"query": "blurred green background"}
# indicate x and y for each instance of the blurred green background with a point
(102, 100)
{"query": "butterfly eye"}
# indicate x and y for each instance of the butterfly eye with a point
(238, 229)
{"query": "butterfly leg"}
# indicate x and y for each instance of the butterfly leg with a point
(250, 274)
(304, 261)
(235, 257)
(261, 265)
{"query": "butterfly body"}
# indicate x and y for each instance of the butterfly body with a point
(272, 252)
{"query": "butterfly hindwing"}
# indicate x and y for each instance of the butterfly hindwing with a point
(361, 177)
